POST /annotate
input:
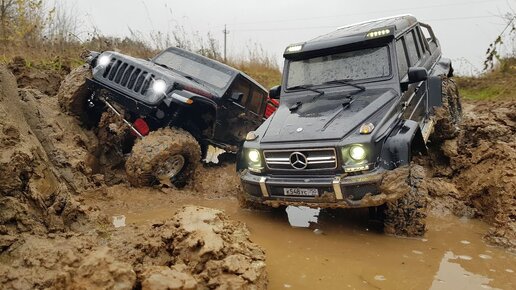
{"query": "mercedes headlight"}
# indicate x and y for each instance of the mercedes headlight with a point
(357, 152)
(254, 156)
(159, 86)
(103, 60)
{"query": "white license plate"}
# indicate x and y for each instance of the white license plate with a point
(301, 191)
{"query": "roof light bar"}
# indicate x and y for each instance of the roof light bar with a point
(294, 48)
(378, 33)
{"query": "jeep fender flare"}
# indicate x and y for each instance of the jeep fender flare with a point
(209, 105)
(401, 143)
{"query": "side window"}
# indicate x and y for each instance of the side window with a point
(410, 43)
(422, 40)
(429, 38)
(402, 58)
(243, 86)
(257, 97)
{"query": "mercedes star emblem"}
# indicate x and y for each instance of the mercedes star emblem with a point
(298, 160)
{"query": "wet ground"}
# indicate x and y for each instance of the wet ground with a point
(63, 193)
(340, 249)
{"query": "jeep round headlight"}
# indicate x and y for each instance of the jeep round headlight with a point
(103, 60)
(357, 152)
(253, 155)
(159, 86)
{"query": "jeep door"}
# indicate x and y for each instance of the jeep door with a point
(240, 115)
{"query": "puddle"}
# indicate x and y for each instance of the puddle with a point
(332, 249)
(452, 275)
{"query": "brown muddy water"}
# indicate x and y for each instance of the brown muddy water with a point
(339, 249)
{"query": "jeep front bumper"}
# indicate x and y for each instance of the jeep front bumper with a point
(332, 192)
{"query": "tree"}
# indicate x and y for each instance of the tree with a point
(493, 51)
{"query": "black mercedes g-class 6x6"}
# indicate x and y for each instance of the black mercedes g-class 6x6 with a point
(355, 104)
(180, 105)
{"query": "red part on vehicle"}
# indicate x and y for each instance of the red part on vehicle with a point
(141, 126)
(272, 106)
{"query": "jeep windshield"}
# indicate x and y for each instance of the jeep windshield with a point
(363, 64)
(191, 68)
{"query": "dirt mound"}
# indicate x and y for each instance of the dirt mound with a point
(199, 248)
(69, 147)
(33, 195)
(217, 182)
(481, 163)
(44, 80)
(201, 241)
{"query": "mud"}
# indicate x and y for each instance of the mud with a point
(29, 76)
(50, 239)
(339, 249)
(473, 175)
(63, 183)
(34, 196)
(197, 248)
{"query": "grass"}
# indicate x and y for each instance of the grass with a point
(48, 56)
(499, 84)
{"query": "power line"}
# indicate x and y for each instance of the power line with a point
(367, 13)
(335, 26)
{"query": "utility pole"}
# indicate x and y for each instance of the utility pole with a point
(226, 32)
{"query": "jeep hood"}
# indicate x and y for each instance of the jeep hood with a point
(326, 118)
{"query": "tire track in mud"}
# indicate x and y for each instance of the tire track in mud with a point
(67, 243)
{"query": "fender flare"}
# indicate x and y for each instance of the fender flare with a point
(443, 67)
(399, 145)
(240, 158)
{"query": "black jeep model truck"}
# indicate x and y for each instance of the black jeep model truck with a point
(180, 105)
(355, 105)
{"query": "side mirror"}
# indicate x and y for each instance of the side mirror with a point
(236, 97)
(417, 74)
(274, 92)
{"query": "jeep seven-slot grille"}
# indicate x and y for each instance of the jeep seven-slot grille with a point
(316, 159)
(128, 76)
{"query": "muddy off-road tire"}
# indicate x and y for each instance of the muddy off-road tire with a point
(406, 216)
(155, 157)
(448, 117)
(73, 92)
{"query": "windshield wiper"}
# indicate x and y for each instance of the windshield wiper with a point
(181, 73)
(192, 79)
(164, 65)
(306, 87)
(347, 82)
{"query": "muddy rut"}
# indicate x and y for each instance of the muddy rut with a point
(69, 218)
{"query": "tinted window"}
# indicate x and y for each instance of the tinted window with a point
(402, 58)
(356, 65)
(411, 48)
(255, 104)
(242, 86)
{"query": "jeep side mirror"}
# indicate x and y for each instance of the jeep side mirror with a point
(417, 74)
(274, 92)
(236, 97)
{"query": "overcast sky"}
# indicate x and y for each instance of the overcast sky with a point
(465, 28)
